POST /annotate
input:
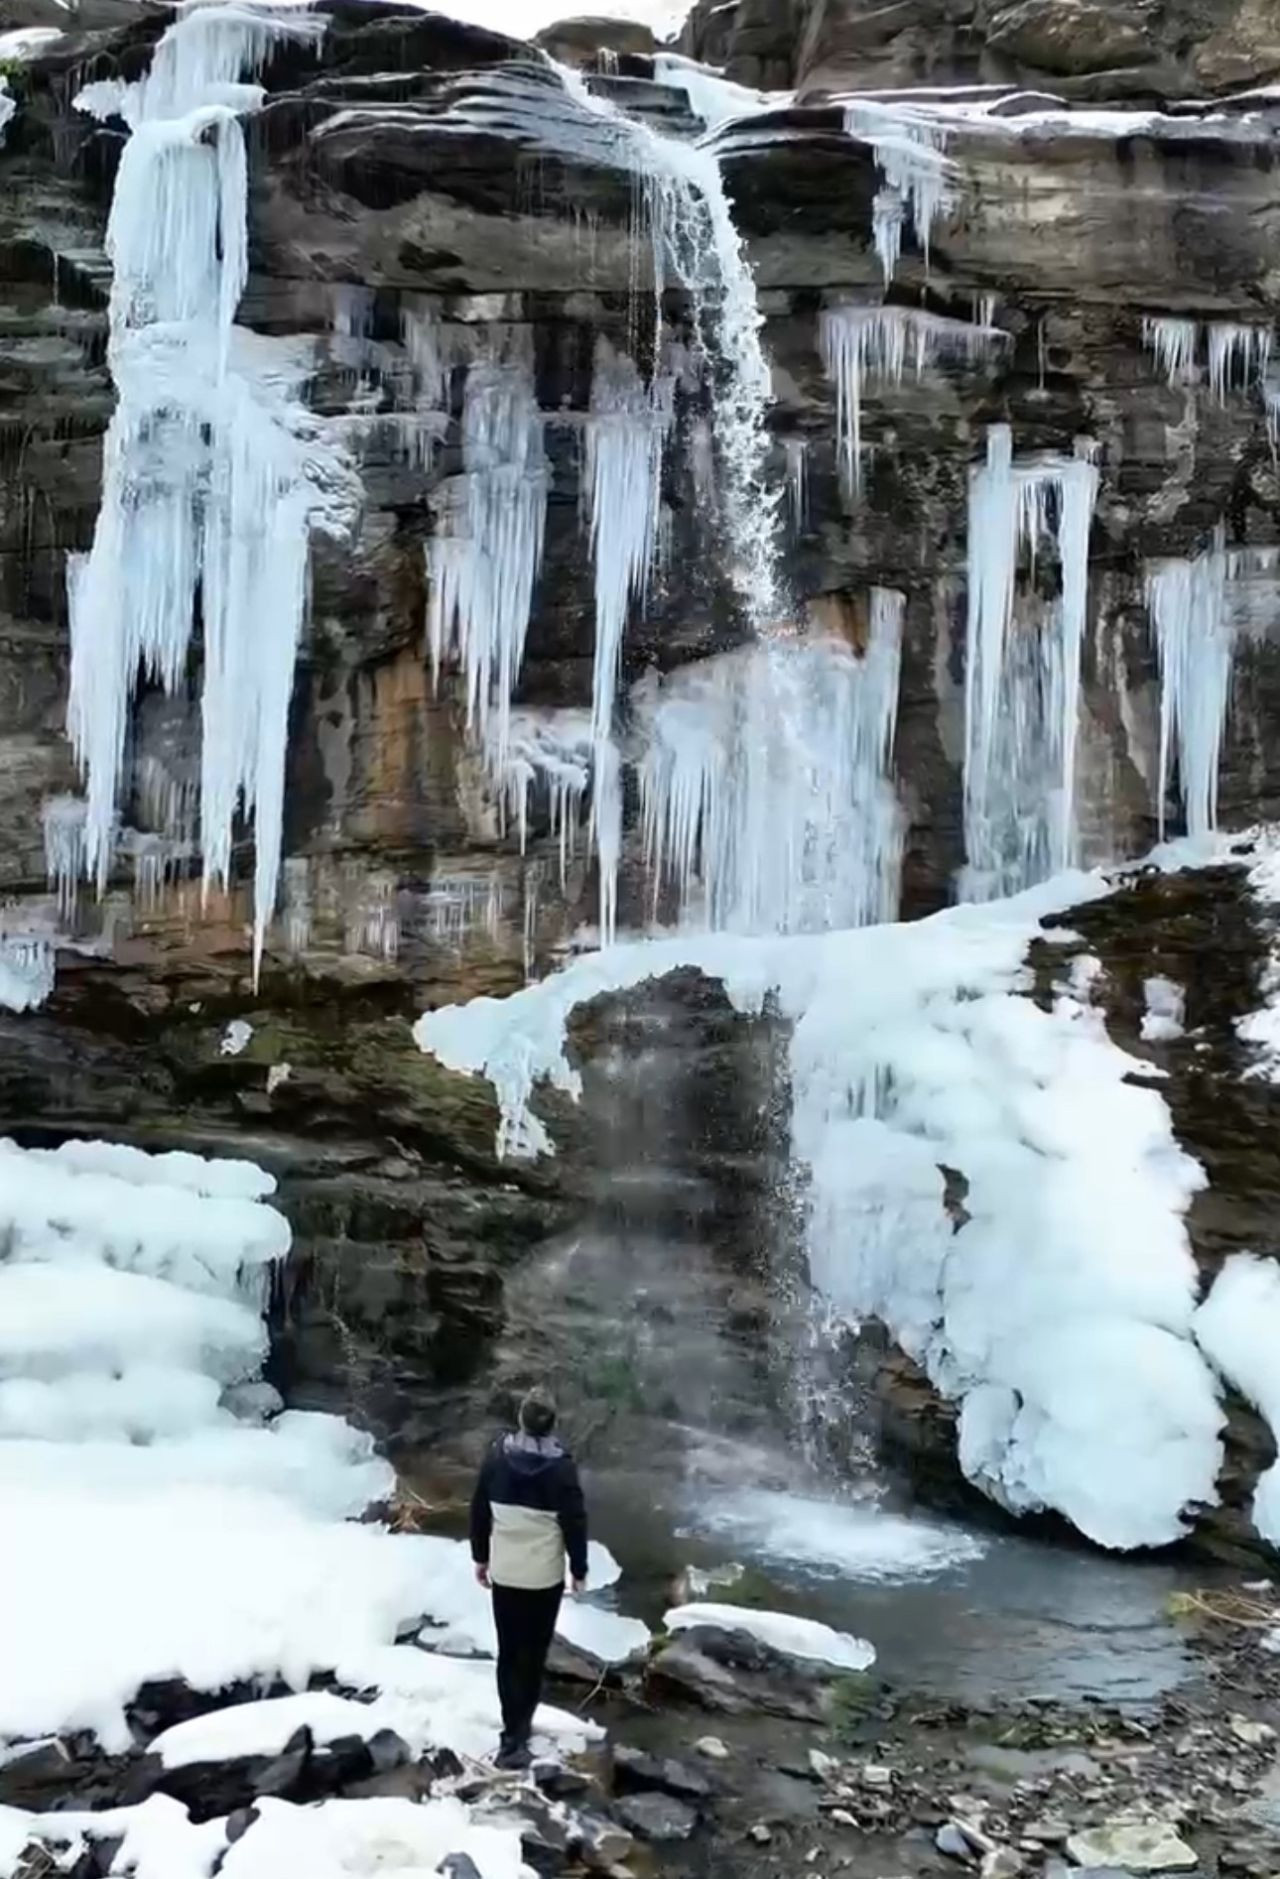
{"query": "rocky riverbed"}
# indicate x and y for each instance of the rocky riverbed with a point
(728, 1759)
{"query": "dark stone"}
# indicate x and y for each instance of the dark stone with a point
(239, 1822)
(27, 1777)
(634, 1770)
(656, 1817)
(460, 1866)
(387, 1750)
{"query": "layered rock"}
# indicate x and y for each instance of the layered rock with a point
(427, 198)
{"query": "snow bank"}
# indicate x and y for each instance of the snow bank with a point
(795, 1637)
(1238, 1328)
(391, 1839)
(131, 1292)
(1057, 1307)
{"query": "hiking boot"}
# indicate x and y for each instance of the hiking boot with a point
(513, 1755)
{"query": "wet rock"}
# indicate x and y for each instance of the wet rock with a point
(656, 1817)
(761, 1833)
(1133, 1845)
(600, 1843)
(634, 1770)
(559, 1783)
(387, 1750)
(282, 1776)
(735, 1672)
(1002, 1863)
(712, 1747)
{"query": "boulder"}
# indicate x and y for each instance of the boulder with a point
(656, 1817)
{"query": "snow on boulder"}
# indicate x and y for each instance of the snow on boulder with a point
(803, 1638)
(1238, 1328)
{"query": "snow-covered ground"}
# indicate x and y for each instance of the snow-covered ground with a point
(164, 1518)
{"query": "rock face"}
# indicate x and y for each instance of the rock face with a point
(1107, 51)
(409, 233)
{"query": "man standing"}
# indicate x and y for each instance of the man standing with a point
(527, 1513)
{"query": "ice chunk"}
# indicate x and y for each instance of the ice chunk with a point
(804, 1638)
(1165, 1014)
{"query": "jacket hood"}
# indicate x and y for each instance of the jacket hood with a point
(532, 1454)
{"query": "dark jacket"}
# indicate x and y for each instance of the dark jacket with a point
(528, 1512)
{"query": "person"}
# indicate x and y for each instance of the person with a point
(527, 1514)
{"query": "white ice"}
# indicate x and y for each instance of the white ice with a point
(1238, 1327)
(1022, 682)
(766, 790)
(862, 345)
(1164, 1018)
(804, 1638)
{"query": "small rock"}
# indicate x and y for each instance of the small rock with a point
(459, 1866)
(656, 1817)
(876, 1775)
(760, 1833)
(712, 1747)
(387, 1750)
(1254, 1735)
(1133, 1846)
(1049, 1832)
(840, 1817)
(961, 1839)
(634, 1769)
(1004, 1863)
(823, 1766)
(557, 1782)
(601, 1844)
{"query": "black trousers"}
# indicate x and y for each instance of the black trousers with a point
(526, 1623)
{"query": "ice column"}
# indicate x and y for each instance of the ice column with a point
(626, 431)
(1022, 683)
(1198, 609)
(214, 476)
(765, 784)
(484, 559)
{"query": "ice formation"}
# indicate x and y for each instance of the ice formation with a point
(1022, 682)
(1164, 1018)
(554, 750)
(484, 557)
(214, 475)
(766, 792)
(712, 97)
(1059, 1312)
(1236, 354)
(804, 1638)
(626, 431)
(1198, 609)
(860, 344)
(1173, 341)
(1238, 1328)
(909, 146)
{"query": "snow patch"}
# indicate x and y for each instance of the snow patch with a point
(804, 1638)
(1238, 1328)
(1166, 1009)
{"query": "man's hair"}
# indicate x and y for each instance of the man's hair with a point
(538, 1412)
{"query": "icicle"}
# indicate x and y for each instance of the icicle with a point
(483, 562)
(551, 748)
(1237, 355)
(1022, 688)
(626, 432)
(765, 791)
(214, 476)
(858, 343)
(64, 820)
(1198, 611)
(352, 310)
(909, 152)
(797, 455)
(1173, 342)
(606, 830)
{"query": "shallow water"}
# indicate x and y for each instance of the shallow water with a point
(694, 1461)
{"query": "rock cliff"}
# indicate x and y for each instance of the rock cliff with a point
(428, 201)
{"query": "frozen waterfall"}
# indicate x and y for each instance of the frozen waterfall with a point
(1022, 667)
(765, 783)
(1198, 610)
(214, 475)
